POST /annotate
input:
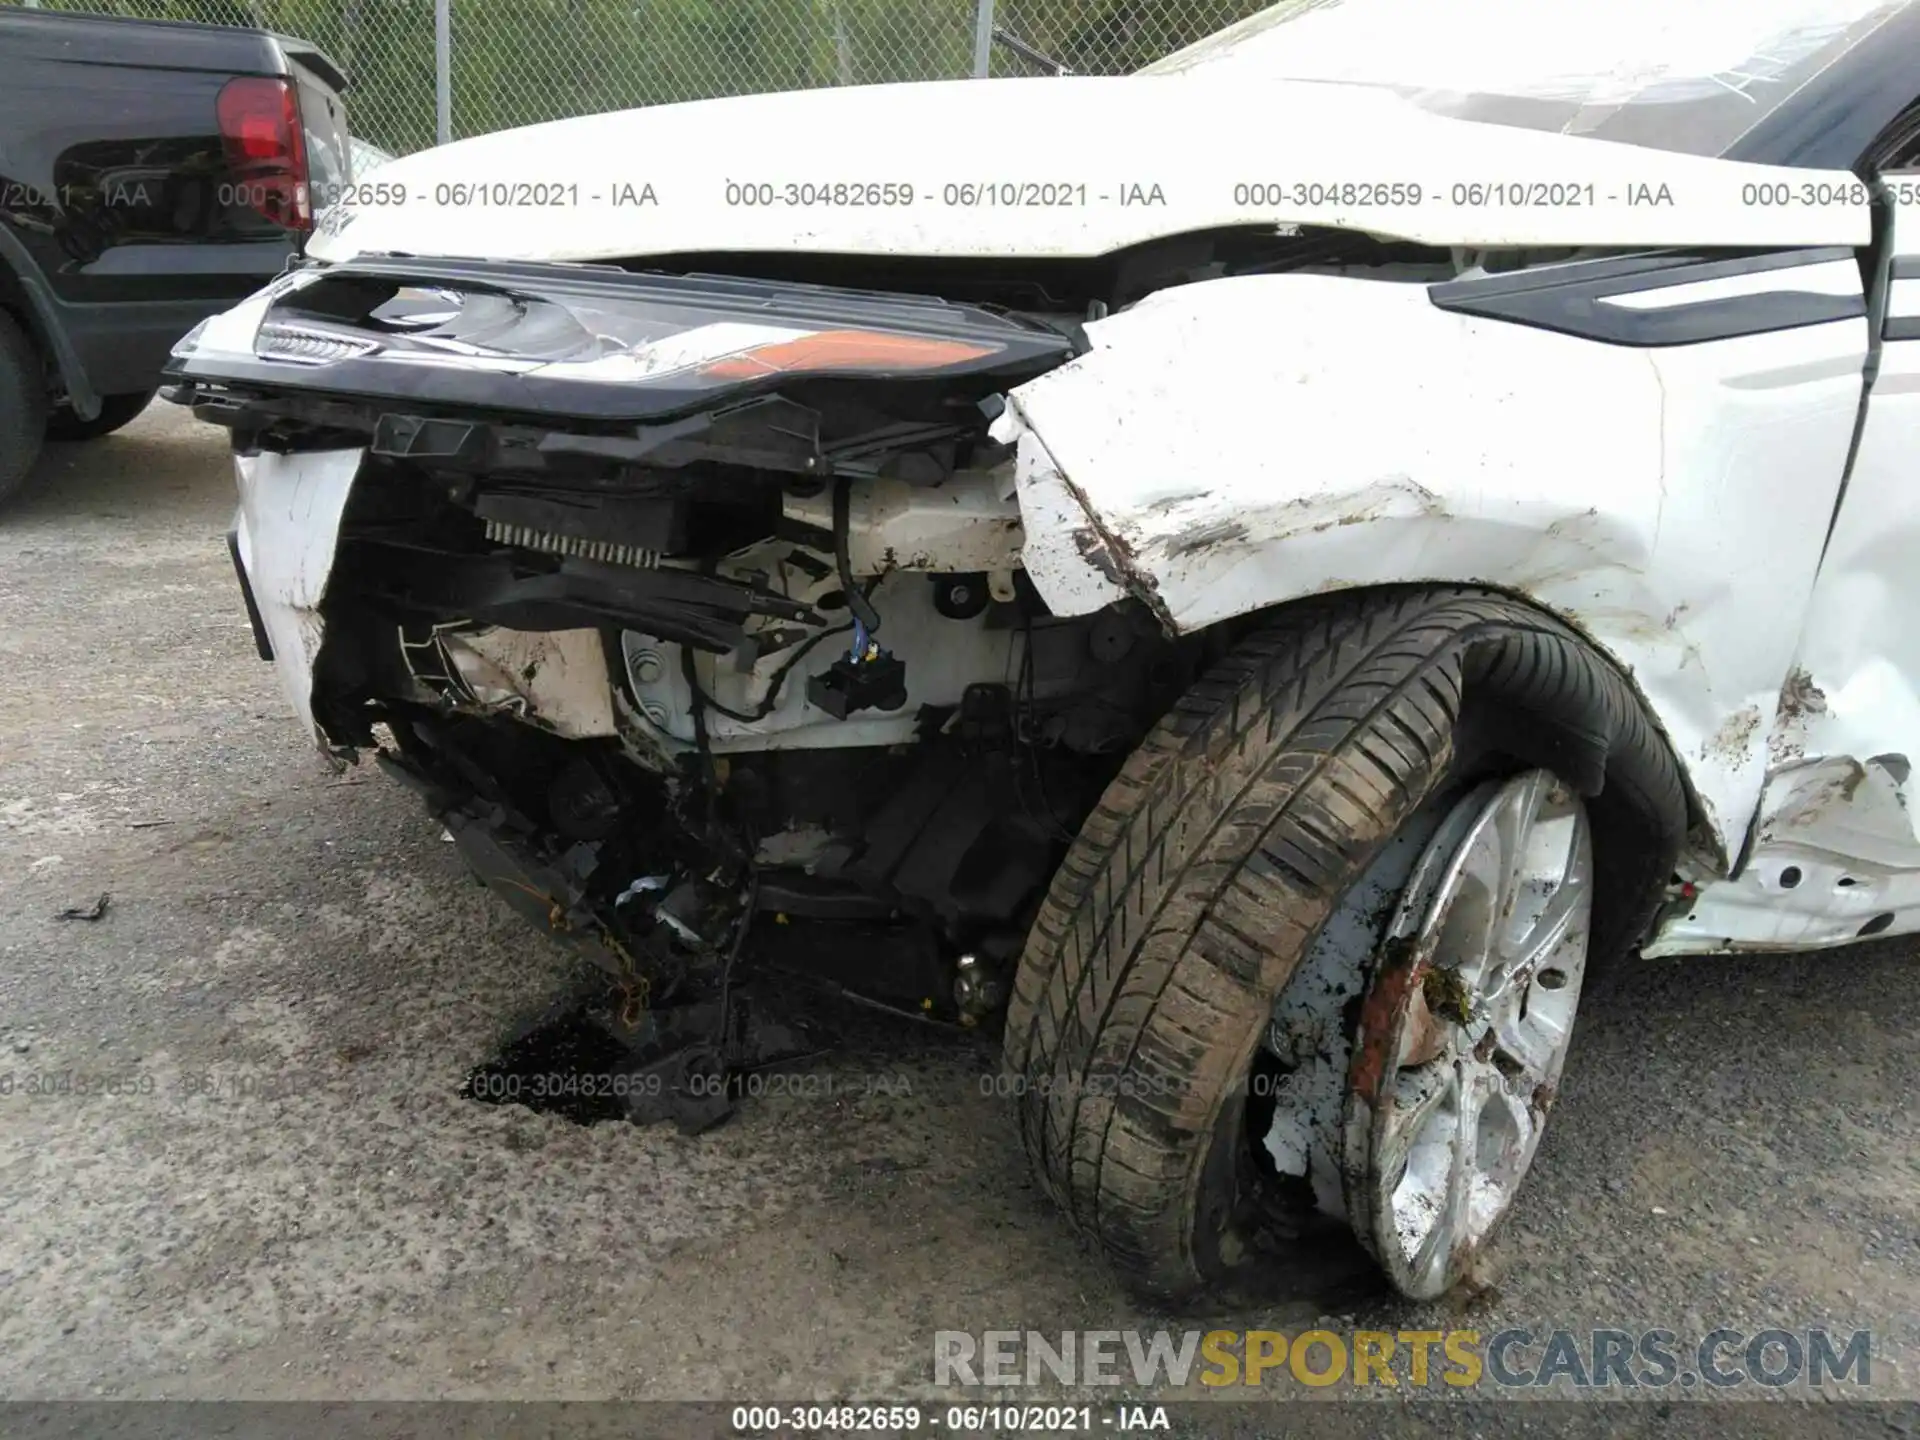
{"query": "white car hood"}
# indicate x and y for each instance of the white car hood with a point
(1057, 167)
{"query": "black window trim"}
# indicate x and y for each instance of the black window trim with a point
(1567, 298)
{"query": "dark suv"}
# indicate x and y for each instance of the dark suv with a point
(151, 174)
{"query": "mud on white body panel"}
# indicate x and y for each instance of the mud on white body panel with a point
(1237, 444)
(556, 679)
(1835, 855)
(1833, 860)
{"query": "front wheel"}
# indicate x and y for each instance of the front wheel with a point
(116, 411)
(23, 406)
(1321, 940)
(1454, 1059)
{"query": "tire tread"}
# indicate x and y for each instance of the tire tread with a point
(1201, 875)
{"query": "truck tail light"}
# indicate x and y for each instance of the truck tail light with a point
(266, 148)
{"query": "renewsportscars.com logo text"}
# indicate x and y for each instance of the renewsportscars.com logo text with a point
(1460, 1359)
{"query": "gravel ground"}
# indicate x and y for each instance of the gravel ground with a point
(295, 974)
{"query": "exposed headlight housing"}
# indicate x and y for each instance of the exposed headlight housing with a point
(594, 341)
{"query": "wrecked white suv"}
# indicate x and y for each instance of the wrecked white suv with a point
(1264, 569)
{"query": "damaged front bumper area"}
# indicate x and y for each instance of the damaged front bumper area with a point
(682, 599)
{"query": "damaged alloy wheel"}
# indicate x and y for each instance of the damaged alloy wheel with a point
(1465, 1027)
(1412, 807)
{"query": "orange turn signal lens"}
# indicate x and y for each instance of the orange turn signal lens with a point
(869, 351)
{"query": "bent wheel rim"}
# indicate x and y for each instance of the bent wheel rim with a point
(1464, 1028)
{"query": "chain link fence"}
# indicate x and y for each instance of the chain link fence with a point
(515, 62)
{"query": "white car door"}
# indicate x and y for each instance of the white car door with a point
(1835, 853)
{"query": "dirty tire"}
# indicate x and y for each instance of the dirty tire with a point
(116, 411)
(1203, 874)
(23, 407)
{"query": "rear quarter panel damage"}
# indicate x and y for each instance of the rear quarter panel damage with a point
(1235, 444)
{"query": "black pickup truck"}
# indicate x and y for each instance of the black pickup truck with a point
(152, 173)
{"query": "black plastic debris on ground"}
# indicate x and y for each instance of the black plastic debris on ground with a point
(92, 912)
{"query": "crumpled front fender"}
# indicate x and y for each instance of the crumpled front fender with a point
(1231, 445)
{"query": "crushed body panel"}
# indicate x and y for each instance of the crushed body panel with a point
(1834, 860)
(608, 573)
(287, 527)
(1234, 445)
(1835, 854)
